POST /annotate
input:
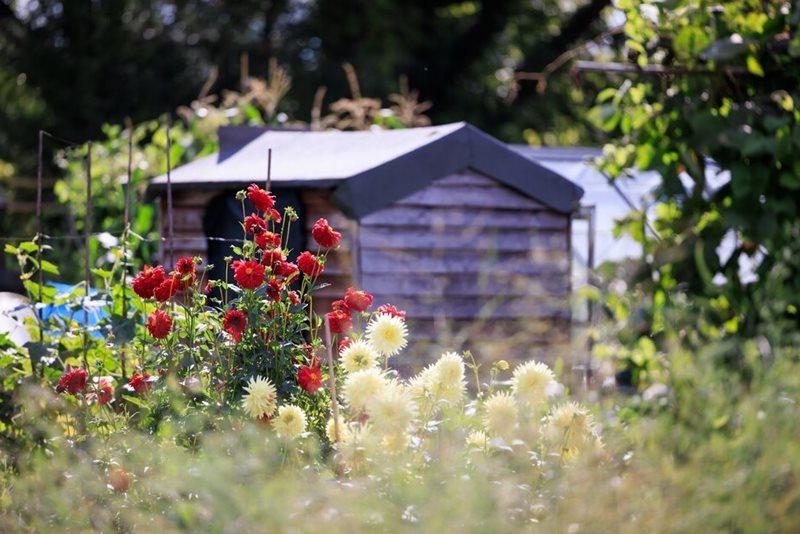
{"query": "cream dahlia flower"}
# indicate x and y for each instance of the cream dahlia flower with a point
(261, 398)
(532, 382)
(477, 439)
(330, 432)
(290, 421)
(441, 383)
(387, 334)
(394, 443)
(392, 410)
(571, 429)
(357, 445)
(420, 388)
(500, 415)
(361, 388)
(359, 355)
(448, 378)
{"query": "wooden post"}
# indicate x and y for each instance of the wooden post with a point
(269, 168)
(125, 235)
(87, 233)
(332, 380)
(39, 233)
(170, 235)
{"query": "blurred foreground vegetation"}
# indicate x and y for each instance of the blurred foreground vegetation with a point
(684, 459)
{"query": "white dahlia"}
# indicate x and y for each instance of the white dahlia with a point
(359, 355)
(261, 398)
(392, 410)
(448, 378)
(394, 443)
(532, 382)
(477, 439)
(290, 421)
(387, 334)
(330, 431)
(500, 415)
(571, 429)
(361, 388)
(357, 445)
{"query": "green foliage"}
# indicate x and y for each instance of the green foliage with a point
(723, 130)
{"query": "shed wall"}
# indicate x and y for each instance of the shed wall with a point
(188, 208)
(476, 265)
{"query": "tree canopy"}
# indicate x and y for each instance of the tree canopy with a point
(72, 66)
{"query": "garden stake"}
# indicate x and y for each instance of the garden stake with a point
(169, 197)
(269, 168)
(125, 233)
(39, 234)
(87, 230)
(332, 380)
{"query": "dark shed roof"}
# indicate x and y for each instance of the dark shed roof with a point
(369, 170)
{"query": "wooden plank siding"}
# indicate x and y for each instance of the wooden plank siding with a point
(476, 265)
(188, 208)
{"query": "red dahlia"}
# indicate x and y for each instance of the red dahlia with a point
(286, 269)
(272, 257)
(159, 324)
(272, 214)
(309, 377)
(340, 305)
(323, 234)
(234, 323)
(344, 343)
(186, 269)
(105, 391)
(339, 321)
(168, 287)
(140, 383)
(263, 200)
(391, 310)
(119, 480)
(248, 274)
(357, 300)
(266, 239)
(254, 225)
(274, 289)
(310, 264)
(73, 381)
(147, 280)
(294, 297)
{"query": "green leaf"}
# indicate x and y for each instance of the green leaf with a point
(49, 267)
(783, 99)
(103, 273)
(28, 246)
(48, 292)
(690, 41)
(136, 401)
(754, 66)
(606, 94)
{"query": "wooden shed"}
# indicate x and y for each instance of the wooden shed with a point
(469, 237)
